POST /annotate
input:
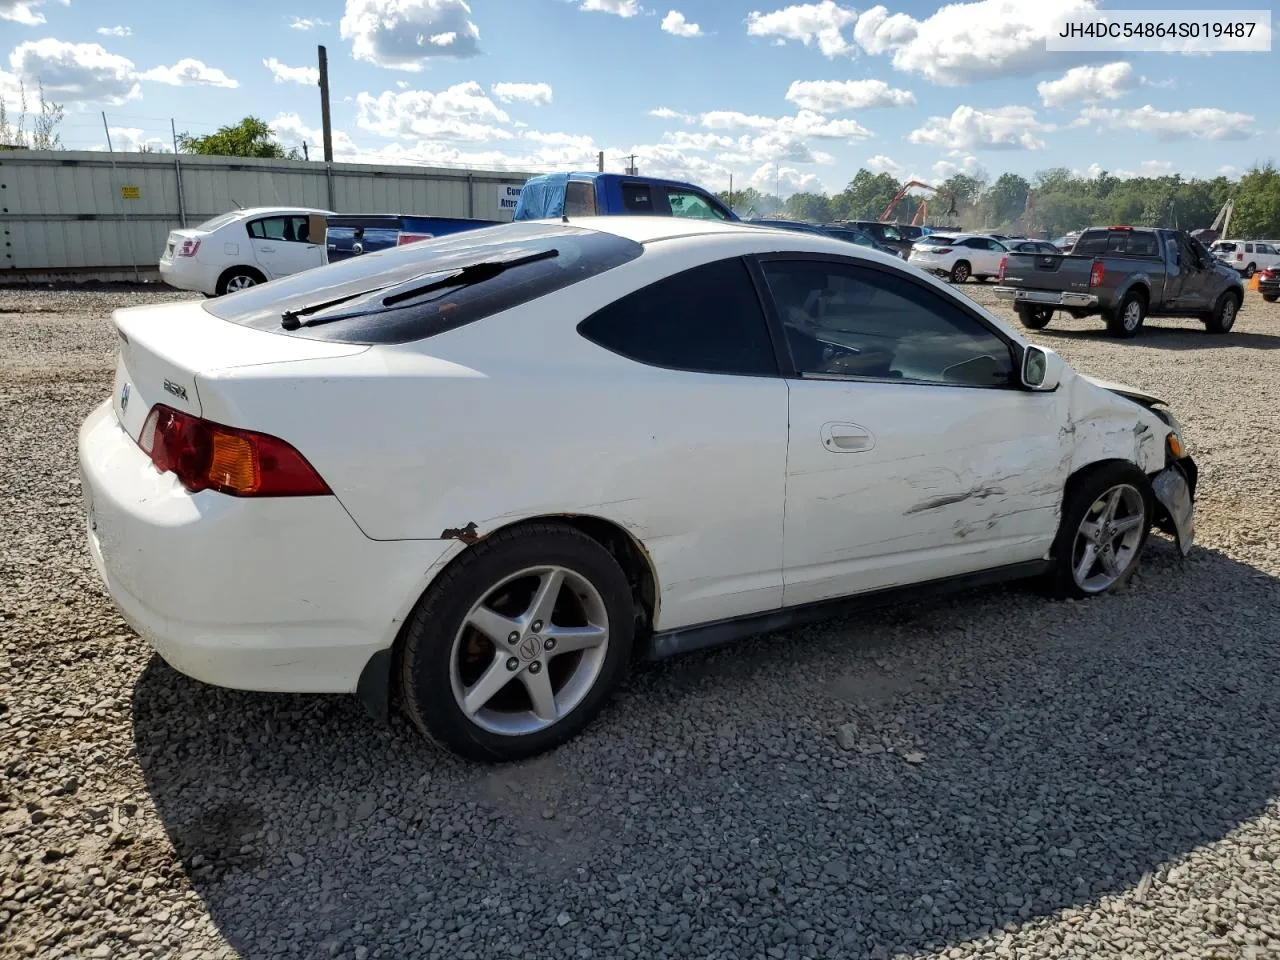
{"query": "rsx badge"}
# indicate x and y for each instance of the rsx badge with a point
(177, 389)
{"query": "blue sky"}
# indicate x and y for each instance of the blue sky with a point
(799, 95)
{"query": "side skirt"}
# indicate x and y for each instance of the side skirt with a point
(718, 633)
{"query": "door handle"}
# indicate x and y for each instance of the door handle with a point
(847, 438)
(266, 249)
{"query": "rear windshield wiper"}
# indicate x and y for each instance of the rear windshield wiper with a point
(465, 276)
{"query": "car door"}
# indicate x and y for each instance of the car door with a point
(1189, 284)
(987, 254)
(282, 245)
(913, 455)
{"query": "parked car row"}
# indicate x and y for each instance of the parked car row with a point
(1247, 256)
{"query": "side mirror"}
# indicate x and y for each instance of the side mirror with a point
(1041, 369)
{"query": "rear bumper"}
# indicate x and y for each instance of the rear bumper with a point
(187, 274)
(1053, 298)
(283, 595)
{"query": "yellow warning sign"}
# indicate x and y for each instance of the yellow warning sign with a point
(130, 192)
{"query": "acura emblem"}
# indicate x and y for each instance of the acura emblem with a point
(530, 648)
(124, 398)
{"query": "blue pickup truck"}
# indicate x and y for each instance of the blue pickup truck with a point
(542, 197)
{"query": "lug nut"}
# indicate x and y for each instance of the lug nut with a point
(549, 643)
(537, 625)
(535, 667)
(513, 664)
(512, 637)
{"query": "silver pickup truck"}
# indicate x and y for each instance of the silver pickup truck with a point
(1124, 275)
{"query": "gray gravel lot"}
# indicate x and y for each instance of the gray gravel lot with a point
(989, 774)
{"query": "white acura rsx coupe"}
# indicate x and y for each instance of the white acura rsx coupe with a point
(477, 476)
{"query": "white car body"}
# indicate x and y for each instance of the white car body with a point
(746, 495)
(1247, 256)
(981, 254)
(258, 244)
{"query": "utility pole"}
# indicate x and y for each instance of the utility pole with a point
(305, 154)
(600, 161)
(631, 166)
(324, 104)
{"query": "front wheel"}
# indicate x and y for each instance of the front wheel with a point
(1223, 316)
(1106, 518)
(518, 645)
(1035, 318)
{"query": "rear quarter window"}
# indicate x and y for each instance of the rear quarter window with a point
(368, 279)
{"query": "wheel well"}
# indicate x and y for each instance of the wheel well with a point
(1141, 290)
(240, 268)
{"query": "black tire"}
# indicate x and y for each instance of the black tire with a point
(960, 271)
(233, 276)
(1269, 297)
(1250, 270)
(1083, 491)
(1126, 320)
(1035, 318)
(1223, 316)
(427, 693)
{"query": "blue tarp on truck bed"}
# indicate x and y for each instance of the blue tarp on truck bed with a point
(542, 197)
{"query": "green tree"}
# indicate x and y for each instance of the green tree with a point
(44, 125)
(865, 197)
(1257, 212)
(250, 137)
(809, 206)
(1005, 202)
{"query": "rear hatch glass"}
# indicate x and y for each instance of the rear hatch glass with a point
(345, 301)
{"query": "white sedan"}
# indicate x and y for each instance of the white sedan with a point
(242, 249)
(484, 471)
(958, 256)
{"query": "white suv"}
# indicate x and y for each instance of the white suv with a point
(1247, 256)
(958, 256)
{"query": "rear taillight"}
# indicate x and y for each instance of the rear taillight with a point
(1004, 262)
(188, 248)
(209, 456)
(1096, 274)
(1239, 256)
(411, 238)
(942, 250)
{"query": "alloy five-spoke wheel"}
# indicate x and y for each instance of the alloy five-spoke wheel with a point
(240, 281)
(1108, 538)
(529, 651)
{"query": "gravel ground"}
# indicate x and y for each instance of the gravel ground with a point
(986, 775)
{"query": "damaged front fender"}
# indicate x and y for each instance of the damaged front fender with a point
(1174, 489)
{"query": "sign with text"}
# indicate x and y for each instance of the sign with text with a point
(130, 192)
(508, 197)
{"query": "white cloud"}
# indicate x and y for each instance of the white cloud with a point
(75, 72)
(189, 72)
(964, 42)
(806, 123)
(308, 23)
(1089, 85)
(831, 96)
(666, 113)
(772, 177)
(675, 23)
(537, 94)
(690, 140)
(402, 34)
(809, 23)
(23, 12)
(1229, 171)
(1199, 123)
(621, 8)
(578, 142)
(461, 112)
(883, 164)
(969, 128)
(968, 165)
(291, 129)
(132, 139)
(282, 73)
(115, 31)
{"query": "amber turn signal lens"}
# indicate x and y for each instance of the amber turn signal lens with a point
(234, 464)
(1175, 446)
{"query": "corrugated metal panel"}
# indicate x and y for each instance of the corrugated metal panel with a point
(76, 210)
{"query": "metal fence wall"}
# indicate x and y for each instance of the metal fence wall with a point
(93, 213)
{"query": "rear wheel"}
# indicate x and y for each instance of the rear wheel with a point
(1223, 316)
(1269, 297)
(518, 645)
(1106, 518)
(1126, 320)
(960, 272)
(236, 279)
(1035, 318)
(1250, 270)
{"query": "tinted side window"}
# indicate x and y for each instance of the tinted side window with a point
(707, 319)
(890, 233)
(686, 204)
(636, 198)
(843, 319)
(579, 199)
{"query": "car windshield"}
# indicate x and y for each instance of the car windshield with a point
(936, 239)
(497, 268)
(220, 221)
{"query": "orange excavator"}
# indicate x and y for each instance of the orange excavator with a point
(922, 211)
